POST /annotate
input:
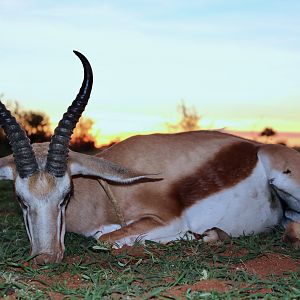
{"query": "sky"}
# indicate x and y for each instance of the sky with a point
(236, 62)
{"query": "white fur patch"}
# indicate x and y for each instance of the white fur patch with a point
(6, 173)
(243, 209)
(287, 188)
(55, 195)
(211, 236)
(129, 241)
(103, 229)
(175, 230)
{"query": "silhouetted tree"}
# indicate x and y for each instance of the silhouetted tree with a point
(36, 124)
(189, 119)
(268, 131)
(38, 129)
(83, 140)
(4, 145)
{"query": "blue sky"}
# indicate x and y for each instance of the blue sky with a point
(237, 62)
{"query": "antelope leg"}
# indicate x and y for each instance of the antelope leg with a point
(127, 235)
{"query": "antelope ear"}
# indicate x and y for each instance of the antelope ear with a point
(7, 168)
(81, 164)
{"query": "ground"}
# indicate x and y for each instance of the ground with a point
(259, 266)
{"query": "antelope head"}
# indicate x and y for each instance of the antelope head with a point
(42, 174)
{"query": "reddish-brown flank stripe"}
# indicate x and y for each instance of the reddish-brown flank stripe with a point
(230, 166)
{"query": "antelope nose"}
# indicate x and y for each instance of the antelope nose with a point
(47, 258)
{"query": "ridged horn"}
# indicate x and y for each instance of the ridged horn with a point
(24, 157)
(58, 152)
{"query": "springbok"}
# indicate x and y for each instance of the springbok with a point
(156, 187)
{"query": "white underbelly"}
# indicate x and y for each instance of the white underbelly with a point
(243, 209)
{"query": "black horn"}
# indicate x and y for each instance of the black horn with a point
(24, 157)
(59, 146)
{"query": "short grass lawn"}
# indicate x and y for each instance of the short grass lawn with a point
(253, 267)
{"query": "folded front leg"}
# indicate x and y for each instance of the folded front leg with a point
(128, 234)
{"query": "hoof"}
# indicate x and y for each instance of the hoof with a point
(215, 236)
(292, 234)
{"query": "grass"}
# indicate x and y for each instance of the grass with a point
(94, 271)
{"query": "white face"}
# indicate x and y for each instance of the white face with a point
(43, 199)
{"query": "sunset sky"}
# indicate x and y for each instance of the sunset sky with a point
(237, 62)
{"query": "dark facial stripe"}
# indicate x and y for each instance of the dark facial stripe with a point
(28, 227)
(231, 165)
(61, 224)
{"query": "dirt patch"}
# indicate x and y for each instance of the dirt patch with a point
(72, 281)
(136, 251)
(56, 296)
(269, 264)
(215, 285)
(203, 285)
(232, 251)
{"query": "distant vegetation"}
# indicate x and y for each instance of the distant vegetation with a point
(268, 131)
(36, 124)
(83, 139)
(38, 128)
(189, 119)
